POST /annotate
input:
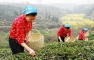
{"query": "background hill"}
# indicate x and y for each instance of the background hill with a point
(8, 12)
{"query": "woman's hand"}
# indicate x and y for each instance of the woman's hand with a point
(32, 53)
(60, 39)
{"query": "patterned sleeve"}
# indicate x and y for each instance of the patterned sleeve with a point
(20, 32)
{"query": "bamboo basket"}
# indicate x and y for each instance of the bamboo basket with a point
(87, 34)
(35, 40)
(72, 39)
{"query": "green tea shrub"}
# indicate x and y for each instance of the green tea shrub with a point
(80, 50)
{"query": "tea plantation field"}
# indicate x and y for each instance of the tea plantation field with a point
(80, 50)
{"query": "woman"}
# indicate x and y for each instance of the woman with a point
(64, 31)
(81, 34)
(19, 29)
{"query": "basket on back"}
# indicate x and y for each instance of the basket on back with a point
(35, 40)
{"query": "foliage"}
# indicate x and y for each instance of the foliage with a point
(91, 37)
(79, 50)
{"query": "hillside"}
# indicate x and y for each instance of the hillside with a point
(64, 6)
(90, 14)
(87, 9)
(8, 12)
(83, 8)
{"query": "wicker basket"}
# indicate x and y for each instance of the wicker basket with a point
(87, 34)
(72, 39)
(35, 40)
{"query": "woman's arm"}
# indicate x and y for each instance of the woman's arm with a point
(60, 39)
(31, 51)
(21, 37)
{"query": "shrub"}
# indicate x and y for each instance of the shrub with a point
(79, 50)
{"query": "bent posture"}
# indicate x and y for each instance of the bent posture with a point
(64, 31)
(19, 30)
(81, 34)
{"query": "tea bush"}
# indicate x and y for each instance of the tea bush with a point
(79, 50)
(91, 37)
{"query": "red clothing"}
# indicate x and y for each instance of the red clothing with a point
(20, 27)
(81, 35)
(63, 32)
